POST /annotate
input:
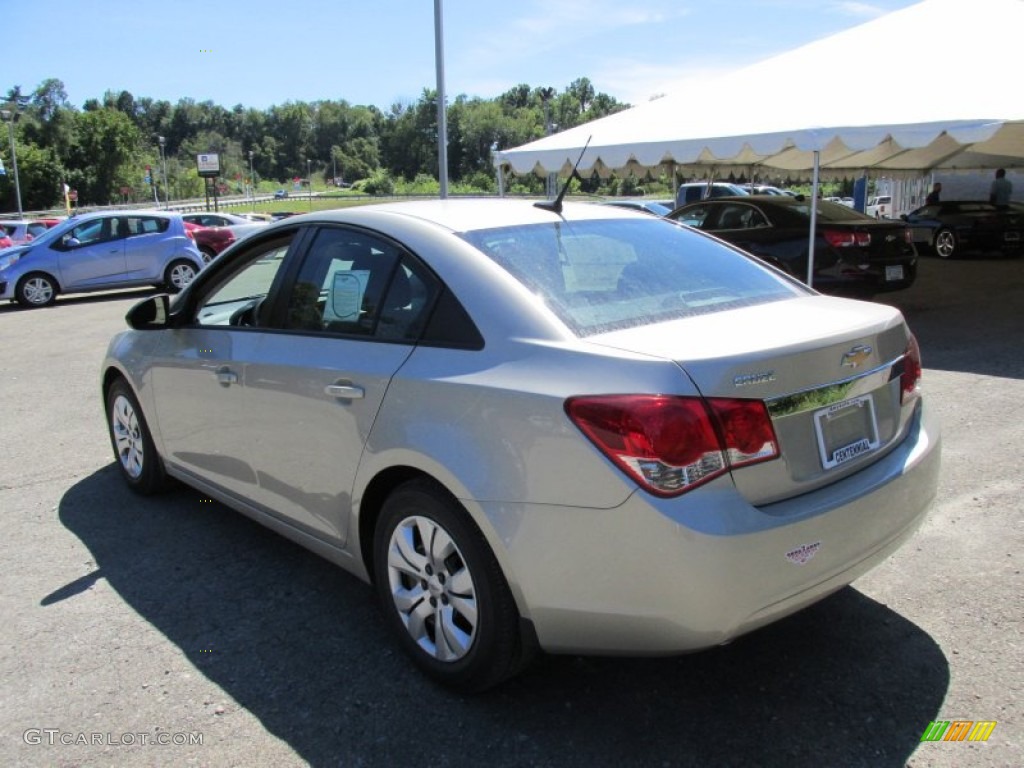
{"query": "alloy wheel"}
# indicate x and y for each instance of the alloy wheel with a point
(37, 291)
(181, 275)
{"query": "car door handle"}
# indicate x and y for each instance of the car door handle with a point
(345, 391)
(226, 377)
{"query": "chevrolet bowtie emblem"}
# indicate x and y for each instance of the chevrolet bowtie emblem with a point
(856, 356)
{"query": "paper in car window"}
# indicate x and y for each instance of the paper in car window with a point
(347, 293)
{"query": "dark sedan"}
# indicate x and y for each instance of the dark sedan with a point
(953, 227)
(853, 253)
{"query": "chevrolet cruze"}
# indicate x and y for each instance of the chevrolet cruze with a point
(570, 428)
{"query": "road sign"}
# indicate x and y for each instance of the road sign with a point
(208, 164)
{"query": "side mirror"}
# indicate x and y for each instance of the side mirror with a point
(150, 314)
(70, 242)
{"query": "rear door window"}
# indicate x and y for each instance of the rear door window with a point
(354, 283)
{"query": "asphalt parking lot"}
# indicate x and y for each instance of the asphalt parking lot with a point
(128, 621)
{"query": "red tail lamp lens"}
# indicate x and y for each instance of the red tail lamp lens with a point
(672, 444)
(910, 379)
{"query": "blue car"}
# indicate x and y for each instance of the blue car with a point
(100, 251)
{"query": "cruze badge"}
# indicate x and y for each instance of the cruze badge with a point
(753, 378)
(856, 356)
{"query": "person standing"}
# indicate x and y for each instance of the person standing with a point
(1001, 190)
(933, 196)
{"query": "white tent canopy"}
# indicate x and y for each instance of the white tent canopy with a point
(929, 87)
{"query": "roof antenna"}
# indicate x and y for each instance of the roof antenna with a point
(556, 204)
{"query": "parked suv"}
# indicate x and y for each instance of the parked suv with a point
(698, 190)
(100, 251)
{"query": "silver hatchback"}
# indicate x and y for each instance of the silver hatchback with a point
(97, 252)
(574, 428)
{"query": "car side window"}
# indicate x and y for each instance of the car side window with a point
(146, 225)
(91, 232)
(732, 217)
(356, 284)
(695, 216)
(237, 299)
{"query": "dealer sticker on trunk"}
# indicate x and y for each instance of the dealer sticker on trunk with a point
(846, 430)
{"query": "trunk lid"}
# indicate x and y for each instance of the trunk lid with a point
(827, 368)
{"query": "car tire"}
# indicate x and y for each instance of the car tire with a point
(134, 451)
(945, 244)
(179, 274)
(442, 591)
(36, 289)
(207, 254)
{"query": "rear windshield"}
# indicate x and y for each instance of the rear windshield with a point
(606, 275)
(829, 211)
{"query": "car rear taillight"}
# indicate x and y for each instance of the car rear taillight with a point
(672, 444)
(910, 378)
(838, 238)
(908, 236)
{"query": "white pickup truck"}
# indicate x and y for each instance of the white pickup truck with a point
(880, 207)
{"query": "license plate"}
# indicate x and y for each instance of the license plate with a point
(846, 430)
(894, 272)
(1011, 237)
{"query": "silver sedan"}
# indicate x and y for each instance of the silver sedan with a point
(573, 428)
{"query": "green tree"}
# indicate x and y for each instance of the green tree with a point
(105, 155)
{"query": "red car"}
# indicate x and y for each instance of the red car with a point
(212, 240)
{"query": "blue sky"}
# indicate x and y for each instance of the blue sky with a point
(264, 52)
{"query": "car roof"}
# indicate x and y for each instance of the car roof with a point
(123, 212)
(466, 215)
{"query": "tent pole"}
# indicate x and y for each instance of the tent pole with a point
(814, 220)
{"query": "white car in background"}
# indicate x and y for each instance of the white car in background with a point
(880, 207)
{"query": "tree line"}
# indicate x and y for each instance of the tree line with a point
(103, 149)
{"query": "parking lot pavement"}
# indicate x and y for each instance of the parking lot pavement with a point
(130, 621)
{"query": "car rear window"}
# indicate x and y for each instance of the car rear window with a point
(604, 275)
(828, 211)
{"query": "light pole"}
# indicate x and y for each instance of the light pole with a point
(252, 182)
(11, 118)
(163, 169)
(497, 169)
(309, 181)
(442, 118)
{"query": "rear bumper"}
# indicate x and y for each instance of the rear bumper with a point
(657, 576)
